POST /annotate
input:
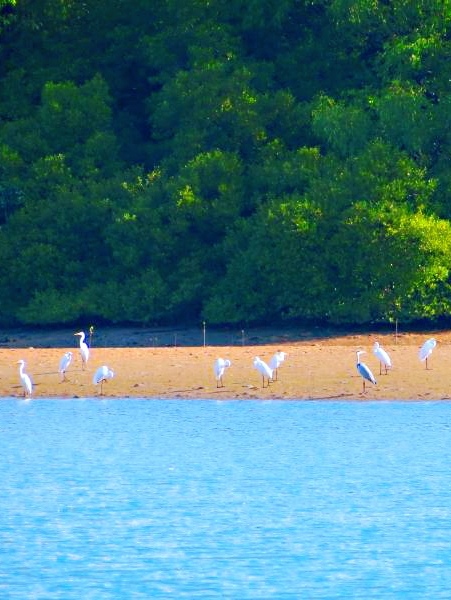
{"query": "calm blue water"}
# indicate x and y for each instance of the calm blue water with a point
(129, 499)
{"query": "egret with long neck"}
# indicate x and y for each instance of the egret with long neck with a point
(25, 380)
(84, 350)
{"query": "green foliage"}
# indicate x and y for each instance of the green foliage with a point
(50, 307)
(267, 275)
(407, 119)
(388, 262)
(229, 161)
(344, 127)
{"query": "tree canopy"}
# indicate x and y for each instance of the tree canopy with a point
(224, 160)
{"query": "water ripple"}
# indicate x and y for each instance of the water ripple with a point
(245, 500)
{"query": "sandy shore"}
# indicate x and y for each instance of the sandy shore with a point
(320, 368)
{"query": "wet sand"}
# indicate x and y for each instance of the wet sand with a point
(316, 368)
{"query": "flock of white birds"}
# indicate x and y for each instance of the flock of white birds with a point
(385, 360)
(269, 371)
(101, 375)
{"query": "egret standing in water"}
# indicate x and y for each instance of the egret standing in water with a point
(382, 356)
(25, 380)
(276, 361)
(364, 370)
(264, 369)
(84, 350)
(64, 364)
(102, 374)
(219, 368)
(426, 350)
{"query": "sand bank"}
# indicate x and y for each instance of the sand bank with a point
(314, 369)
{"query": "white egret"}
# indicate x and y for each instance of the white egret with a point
(382, 356)
(102, 374)
(25, 379)
(84, 350)
(364, 370)
(426, 350)
(64, 364)
(219, 368)
(276, 361)
(264, 369)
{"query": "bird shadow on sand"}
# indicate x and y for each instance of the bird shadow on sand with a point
(57, 373)
(45, 373)
(185, 391)
(338, 396)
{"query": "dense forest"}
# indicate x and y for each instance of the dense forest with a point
(234, 161)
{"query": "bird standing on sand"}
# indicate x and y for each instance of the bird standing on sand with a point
(84, 350)
(382, 356)
(364, 370)
(426, 350)
(25, 380)
(219, 368)
(264, 369)
(102, 374)
(276, 361)
(64, 364)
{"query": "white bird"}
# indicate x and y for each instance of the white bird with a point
(64, 364)
(264, 369)
(426, 350)
(84, 350)
(382, 356)
(276, 361)
(102, 374)
(25, 379)
(219, 368)
(364, 370)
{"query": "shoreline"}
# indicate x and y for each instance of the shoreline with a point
(315, 369)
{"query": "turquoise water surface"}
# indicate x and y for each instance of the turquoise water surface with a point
(112, 499)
